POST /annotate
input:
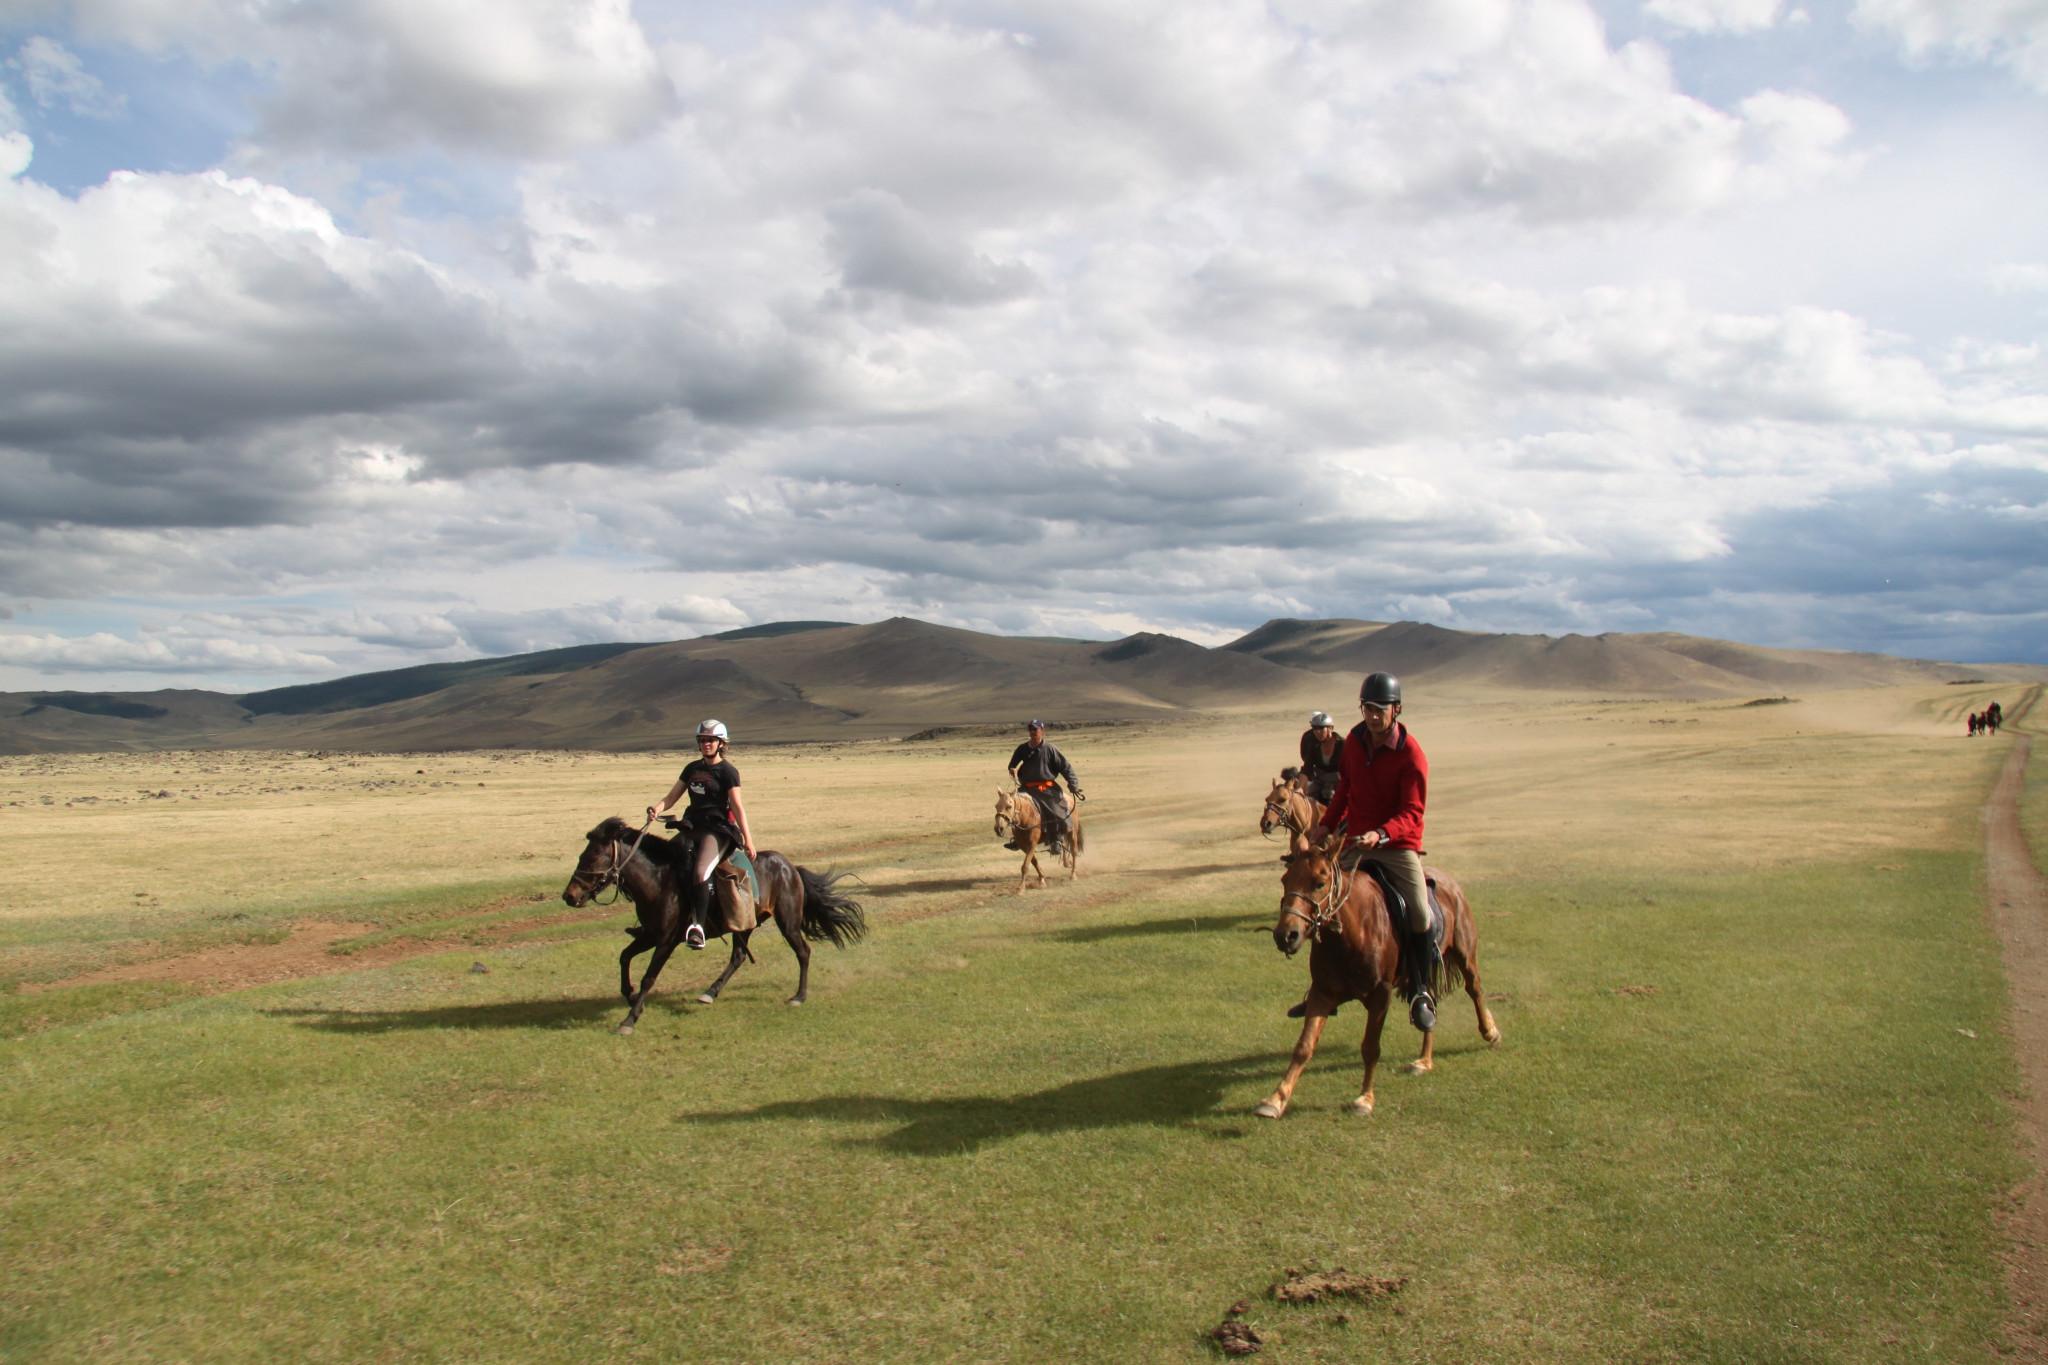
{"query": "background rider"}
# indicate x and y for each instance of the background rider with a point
(1033, 766)
(717, 820)
(1322, 748)
(1381, 792)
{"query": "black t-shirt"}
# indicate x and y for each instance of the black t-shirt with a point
(710, 786)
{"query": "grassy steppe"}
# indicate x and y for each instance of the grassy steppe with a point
(1015, 1128)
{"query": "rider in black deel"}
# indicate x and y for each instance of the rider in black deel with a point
(1322, 748)
(1033, 767)
(717, 820)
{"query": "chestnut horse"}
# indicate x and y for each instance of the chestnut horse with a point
(803, 902)
(1027, 826)
(1354, 954)
(1287, 805)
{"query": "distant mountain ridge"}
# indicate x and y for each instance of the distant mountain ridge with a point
(808, 680)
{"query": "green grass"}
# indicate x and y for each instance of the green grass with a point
(47, 948)
(1022, 1133)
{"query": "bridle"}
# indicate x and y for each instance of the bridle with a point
(1279, 805)
(1321, 911)
(613, 871)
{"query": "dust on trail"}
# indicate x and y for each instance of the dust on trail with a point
(2017, 902)
(309, 951)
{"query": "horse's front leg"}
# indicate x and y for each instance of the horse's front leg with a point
(640, 943)
(739, 955)
(1275, 1104)
(661, 957)
(1369, 1050)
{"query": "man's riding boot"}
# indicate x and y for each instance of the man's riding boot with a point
(1059, 843)
(1422, 963)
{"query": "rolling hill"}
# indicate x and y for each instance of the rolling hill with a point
(810, 680)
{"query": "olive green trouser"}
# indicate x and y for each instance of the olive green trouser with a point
(1404, 870)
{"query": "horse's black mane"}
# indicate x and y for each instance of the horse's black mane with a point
(651, 843)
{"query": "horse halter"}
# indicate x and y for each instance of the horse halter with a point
(1277, 807)
(1324, 910)
(614, 871)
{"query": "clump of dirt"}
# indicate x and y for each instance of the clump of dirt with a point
(1639, 992)
(1233, 1336)
(1313, 1286)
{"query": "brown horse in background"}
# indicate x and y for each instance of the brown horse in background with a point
(1027, 826)
(804, 904)
(1354, 954)
(1289, 806)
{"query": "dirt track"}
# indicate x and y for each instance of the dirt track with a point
(2017, 899)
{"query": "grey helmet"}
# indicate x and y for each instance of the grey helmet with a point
(1380, 689)
(1320, 721)
(713, 729)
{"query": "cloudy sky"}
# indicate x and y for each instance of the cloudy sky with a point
(348, 334)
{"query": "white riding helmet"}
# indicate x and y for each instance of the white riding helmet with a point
(1320, 720)
(713, 728)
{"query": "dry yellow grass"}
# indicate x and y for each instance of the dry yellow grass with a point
(1518, 786)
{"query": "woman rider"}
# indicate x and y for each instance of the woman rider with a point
(1321, 751)
(717, 821)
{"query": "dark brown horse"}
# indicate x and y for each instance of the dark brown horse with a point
(1354, 954)
(803, 902)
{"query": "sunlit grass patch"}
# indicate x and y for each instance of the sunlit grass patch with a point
(1023, 1131)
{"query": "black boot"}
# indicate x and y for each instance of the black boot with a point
(698, 915)
(1422, 958)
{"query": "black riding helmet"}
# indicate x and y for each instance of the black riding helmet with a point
(1380, 689)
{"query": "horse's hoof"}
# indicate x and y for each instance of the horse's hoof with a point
(707, 999)
(1418, 1067)
(1493, 1038)
(624, 1030)
(794, 1000)
(1269, 1110)
(1362, 1107)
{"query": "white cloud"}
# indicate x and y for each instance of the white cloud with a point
(55, 75)
(171, 653)
(2013, 33)
(513, 77)
(1717, 16)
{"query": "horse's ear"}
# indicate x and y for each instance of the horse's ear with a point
(1330, 845)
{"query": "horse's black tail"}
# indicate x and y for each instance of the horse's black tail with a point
(827, 914)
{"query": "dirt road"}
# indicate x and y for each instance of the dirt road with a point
(2017, 900)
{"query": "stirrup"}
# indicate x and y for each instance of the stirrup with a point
(1422, 1012)
(694, 937)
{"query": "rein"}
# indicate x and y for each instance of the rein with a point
(614, 873)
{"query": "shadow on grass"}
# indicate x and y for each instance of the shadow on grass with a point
(506, 1014)
(1184, 924)
(1156, 1096)
(936, 886)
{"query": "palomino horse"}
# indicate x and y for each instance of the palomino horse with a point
(1289, 806)
(1026, 824)
(1354, 954)
(803, 902)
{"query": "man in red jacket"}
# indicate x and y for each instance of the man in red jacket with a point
(1382, 786)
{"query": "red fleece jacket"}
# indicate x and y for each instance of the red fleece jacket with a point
(1384, 789)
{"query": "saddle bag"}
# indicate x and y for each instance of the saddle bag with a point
(735, 896)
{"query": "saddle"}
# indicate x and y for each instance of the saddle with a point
(1397, 904)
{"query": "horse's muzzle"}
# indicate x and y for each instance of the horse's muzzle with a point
(1287, 941)
(574, 898)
